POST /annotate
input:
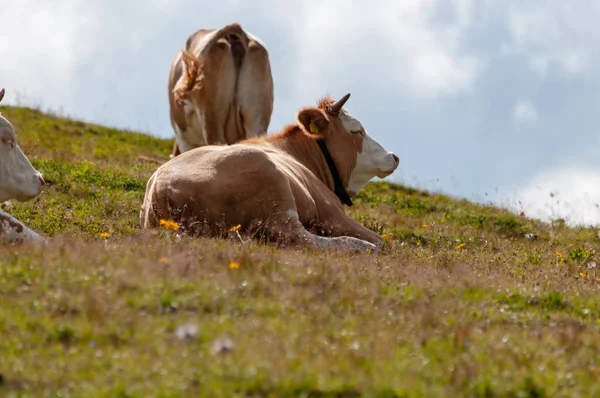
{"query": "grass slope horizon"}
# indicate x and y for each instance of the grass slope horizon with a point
(465, 299)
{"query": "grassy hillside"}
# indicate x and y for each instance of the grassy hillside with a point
(464, 300)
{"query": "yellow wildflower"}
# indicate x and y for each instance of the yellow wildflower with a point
(583, 275)
(418, 243)
(425, 226)
(559, 255)
(235, 228)
(234, 265)
(164, 260)
(461, 246)
(169, 224)
(386, 236)
(104, 235)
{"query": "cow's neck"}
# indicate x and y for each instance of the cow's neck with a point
(338, 186)
(315, 155)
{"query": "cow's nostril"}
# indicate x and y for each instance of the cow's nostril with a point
(396, 158)
(42, 182)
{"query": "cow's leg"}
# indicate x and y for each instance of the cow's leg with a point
(287, 227)
(254, 93)
(347, 226)
(217, 93)
(13, 231)
(284, 223)
(181, 145)
(334, 222)
(176, 151)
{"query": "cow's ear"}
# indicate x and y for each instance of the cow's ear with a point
(314, 122)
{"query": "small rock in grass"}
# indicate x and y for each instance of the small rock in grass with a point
(222, 345)
(187, 332)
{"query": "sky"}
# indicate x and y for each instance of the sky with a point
(491, 100)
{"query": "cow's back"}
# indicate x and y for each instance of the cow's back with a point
(207, 183)
(230, 184)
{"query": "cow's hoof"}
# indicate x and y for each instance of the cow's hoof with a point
(357, 244)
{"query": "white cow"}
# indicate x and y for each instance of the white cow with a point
(18, 180)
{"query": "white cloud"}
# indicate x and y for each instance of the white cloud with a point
(554, 33)
(96, 60)
(571, 193)
(44, 41)
(394, 46)
(525, 112)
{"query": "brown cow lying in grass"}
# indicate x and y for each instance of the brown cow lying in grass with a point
(290, 185)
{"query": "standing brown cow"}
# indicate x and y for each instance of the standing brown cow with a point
(220, 89)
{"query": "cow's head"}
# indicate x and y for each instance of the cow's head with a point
(357, 155)
(18, 178)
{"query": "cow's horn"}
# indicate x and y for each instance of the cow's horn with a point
(337, 107)
(1, 94)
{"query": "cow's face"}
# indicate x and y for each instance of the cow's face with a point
(357, 155)
(372, 160)
(18, 178)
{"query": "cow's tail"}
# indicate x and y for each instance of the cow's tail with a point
(192, 76)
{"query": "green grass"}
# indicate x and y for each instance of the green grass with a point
(462, 301)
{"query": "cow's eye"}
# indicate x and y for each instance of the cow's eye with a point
(8, 141)
(358, 132)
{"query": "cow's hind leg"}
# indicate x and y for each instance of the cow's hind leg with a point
(255, 91)
(176, 151)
